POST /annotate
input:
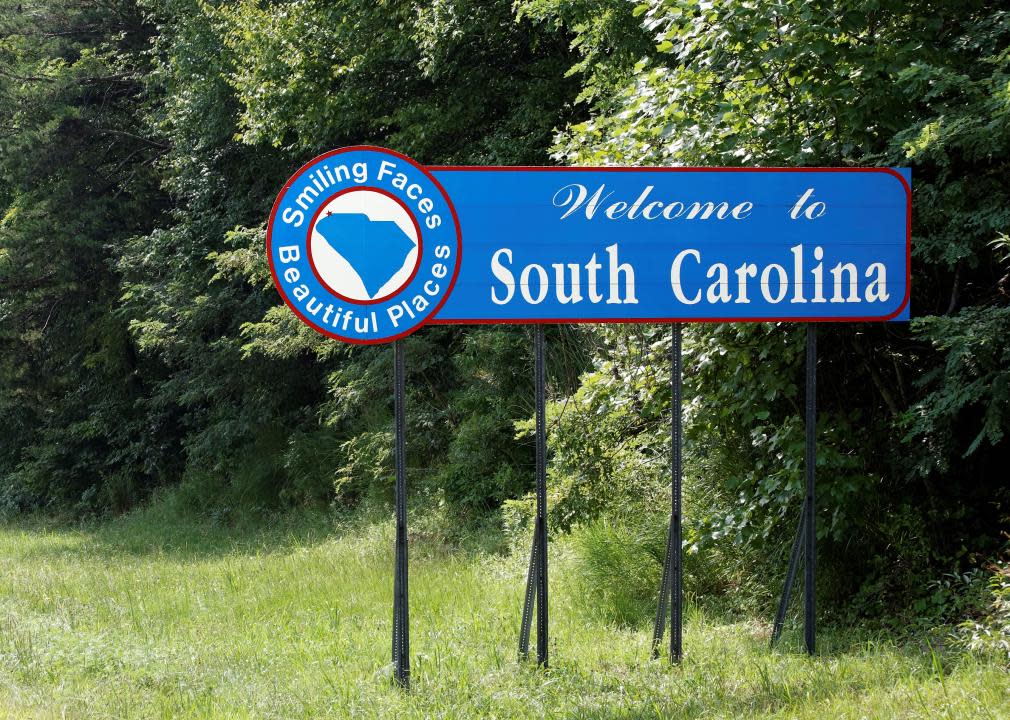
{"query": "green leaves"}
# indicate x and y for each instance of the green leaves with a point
(974, 380)
(75, 181)
(857, 83)
(141, 149)
(243, 94)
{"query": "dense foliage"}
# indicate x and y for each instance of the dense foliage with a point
(912, 446)
(142, 142)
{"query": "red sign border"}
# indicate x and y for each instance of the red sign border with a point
(312, 262)
(434, 320)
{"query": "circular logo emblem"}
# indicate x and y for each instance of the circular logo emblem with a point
(364, 245)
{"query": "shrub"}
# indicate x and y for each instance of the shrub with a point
(990, 635)
(619, 566)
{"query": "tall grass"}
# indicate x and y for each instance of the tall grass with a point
(148, 617)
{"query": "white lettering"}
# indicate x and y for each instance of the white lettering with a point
(289, 253)
(837, 271)
(743, 272)
(765, 283)
(504, 275)
(385, 168)
(293, 217)
(719, 290)
(559, 283)
(678, 291)
(876, 290)
(524, 282)
(629, 276)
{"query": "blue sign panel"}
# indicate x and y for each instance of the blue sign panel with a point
(586, 244)
(686, 244)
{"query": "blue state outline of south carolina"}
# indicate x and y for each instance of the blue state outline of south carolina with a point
(376, 249)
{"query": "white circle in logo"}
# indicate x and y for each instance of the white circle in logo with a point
(364, 245)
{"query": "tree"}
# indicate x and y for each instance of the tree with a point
(912, 431)
(76, 179)
(243, 94)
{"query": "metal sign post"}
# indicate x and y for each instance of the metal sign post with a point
(810, 530)
(536, 576)
(401, 626)
(672, 583)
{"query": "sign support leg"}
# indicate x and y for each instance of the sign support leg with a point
(528, 600)
(672, 583)
(677, 441)
(810, 531)
(659, 626)
(536, 576)
(401, 627)
(787, 590)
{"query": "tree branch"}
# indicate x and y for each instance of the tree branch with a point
(123, 133)
(25, 78)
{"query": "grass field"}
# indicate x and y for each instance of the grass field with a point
(146, 619)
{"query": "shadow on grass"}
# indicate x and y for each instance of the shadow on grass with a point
(163, 529)
(150, 531)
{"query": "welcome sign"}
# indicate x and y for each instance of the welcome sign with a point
(367, 246)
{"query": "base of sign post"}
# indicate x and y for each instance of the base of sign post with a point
(536, 576)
